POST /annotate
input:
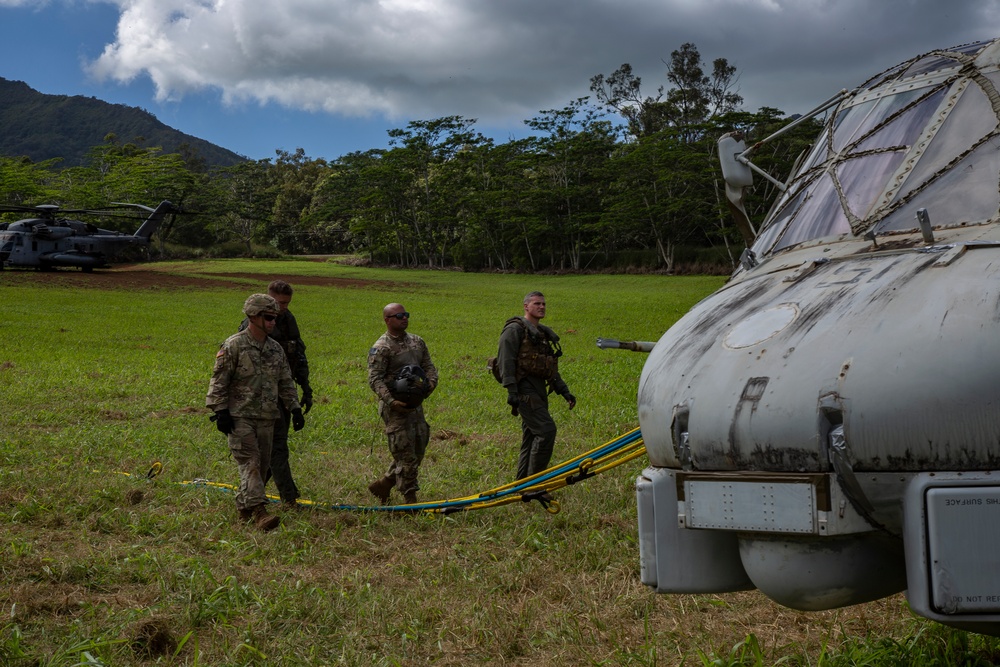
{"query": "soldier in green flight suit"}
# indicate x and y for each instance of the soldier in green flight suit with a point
(528, 355)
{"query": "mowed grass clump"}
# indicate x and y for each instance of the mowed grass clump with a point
(104, 381)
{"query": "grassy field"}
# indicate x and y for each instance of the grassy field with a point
(103, 376)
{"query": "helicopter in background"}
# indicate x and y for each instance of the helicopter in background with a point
(825, 428)
(50, 240)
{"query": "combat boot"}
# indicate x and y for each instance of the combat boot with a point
(410, 497)
(246, 515)
(381, 487)
(264, 521)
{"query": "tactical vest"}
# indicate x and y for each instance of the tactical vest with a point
(538, 355)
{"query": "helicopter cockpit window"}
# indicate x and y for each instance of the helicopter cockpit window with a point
(954, 193)
(933, 63)
(765, 240)
(870, 142)
(862, 170)
(888, 75)
(820, 215)
(967, 192)
(903, 131)
(864, 178)
(848, 122)
(867, 117)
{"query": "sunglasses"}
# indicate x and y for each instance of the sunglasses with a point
(399, 316)
(270, 318)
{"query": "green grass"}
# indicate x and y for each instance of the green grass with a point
(104, 375)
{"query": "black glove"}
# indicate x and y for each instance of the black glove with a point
(571, 399)
(298, 421)
(512, 398)
(223, 421)
(307, 399)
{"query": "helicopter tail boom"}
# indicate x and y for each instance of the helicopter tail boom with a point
(152, 223)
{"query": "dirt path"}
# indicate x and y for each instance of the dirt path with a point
(147, 277)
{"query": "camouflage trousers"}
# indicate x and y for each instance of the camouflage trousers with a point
(408, 433)
(250, 445)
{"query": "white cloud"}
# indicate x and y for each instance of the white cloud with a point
(500, 59)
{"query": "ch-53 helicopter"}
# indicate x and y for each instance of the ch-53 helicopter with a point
(826, 427)
(50, 240)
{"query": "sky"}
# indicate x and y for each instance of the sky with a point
(334, 76)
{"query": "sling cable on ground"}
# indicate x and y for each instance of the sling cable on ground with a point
(614, 453)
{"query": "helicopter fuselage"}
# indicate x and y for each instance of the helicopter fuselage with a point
(826, 427)
(50, 242)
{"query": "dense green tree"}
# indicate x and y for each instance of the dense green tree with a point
(246, 202)
(341, 206)
(571, 158)
(425, 149)
(694, 98)
(295, 180)
(26, 183)
(658, 193)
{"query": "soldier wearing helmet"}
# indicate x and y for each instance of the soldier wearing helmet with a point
(401, 374)
(286, 332)
(250, 379)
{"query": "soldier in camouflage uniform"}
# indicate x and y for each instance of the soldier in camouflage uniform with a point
(249, 380)
(405, 426)
(528, 358)
(286, 332)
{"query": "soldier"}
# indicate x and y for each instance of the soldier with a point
(401, 374)
(528, 357)
(286, 332)
(249, 381)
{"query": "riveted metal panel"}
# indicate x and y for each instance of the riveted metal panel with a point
(754, 506)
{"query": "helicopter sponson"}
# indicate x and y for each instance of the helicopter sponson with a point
(826, 427)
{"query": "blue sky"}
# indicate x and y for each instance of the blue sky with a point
(333, 76)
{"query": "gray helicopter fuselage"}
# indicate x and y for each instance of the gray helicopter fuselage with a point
(826, 427)
(50, 242)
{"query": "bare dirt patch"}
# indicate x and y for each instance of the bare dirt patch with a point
(147, 277)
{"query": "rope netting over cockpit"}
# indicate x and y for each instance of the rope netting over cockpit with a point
(920, 137)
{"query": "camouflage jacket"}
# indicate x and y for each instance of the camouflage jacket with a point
(250, 378)
(286, 332)
(389, 354)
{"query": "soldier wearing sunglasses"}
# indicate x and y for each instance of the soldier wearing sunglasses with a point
(286, 332)
(405, 427)
(250, 379)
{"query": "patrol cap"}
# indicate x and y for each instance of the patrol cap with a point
(260, 303)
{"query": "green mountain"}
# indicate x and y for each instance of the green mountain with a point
(42, 126)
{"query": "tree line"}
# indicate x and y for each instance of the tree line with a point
(623, 179)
